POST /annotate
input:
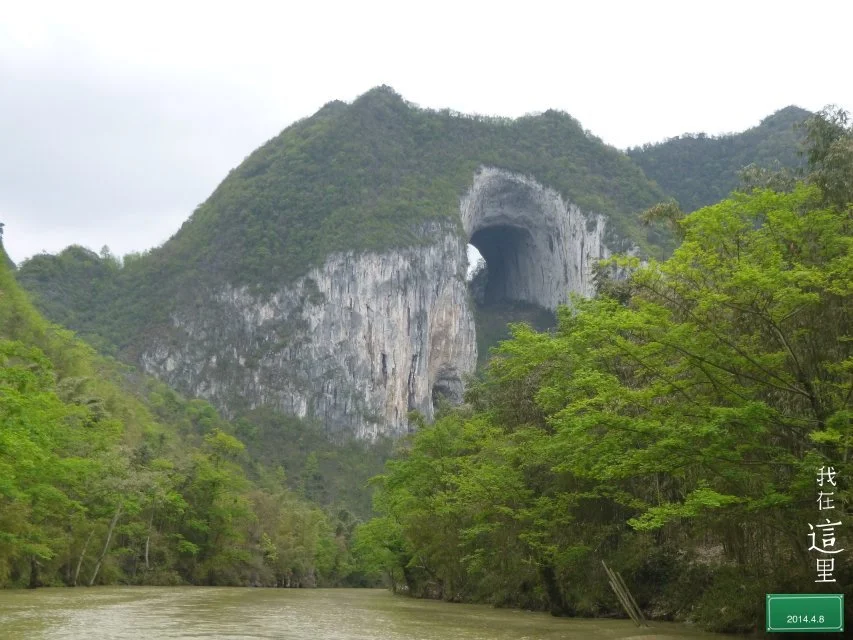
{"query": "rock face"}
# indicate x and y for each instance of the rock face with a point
(367, 338)
(538, 248)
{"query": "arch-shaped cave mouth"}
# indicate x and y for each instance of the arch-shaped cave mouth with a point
(507, 253)
(504, 288)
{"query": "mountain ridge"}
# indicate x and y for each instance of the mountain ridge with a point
(699, 170)
(337, 181)
(270, 291)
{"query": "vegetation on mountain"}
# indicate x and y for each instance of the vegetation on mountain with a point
(699, 170)
(364, 176)
(674, 426)
(107, 476)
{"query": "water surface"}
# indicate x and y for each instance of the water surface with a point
(142, 613)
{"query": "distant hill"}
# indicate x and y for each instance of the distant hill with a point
(699, 170)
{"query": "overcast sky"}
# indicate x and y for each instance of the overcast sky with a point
(118, 118)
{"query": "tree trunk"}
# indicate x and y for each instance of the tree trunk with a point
(393, 582)
(35, 581)
(80, 560)
(556, 603)
(148, 540)
(113, 523)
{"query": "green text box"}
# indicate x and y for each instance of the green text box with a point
(798, 612)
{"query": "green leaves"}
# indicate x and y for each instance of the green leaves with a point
(685, 415)
(90, 478)
(697, 503)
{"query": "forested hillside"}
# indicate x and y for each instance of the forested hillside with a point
(107, 476)
(699, 170)
(675, 427)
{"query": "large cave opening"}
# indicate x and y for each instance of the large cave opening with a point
(528, 250)
(503, 250)
(502, 266)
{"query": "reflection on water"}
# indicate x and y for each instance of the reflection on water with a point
(140, 613)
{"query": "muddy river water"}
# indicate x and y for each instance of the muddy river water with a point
(140, 613)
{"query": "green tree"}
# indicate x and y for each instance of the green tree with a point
(672, 427)
(107, 477)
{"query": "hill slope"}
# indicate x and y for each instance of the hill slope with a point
(700, 170)
(363, 176)
(108, 476)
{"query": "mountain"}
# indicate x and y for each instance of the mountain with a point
(700, 170)
(325, 276)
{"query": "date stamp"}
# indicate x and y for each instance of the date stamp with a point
(811, 612)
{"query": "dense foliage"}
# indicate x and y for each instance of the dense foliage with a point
(107, 476)
(699, 170)
(364, 176)
(673, 428)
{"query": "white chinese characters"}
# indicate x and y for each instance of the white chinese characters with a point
(822, 535)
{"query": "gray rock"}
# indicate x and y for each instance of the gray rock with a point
(368, 337)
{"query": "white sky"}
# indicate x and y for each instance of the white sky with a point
(118, 118)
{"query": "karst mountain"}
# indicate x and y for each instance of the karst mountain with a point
(325, 277)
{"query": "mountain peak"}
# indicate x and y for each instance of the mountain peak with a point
(786, 116)
(382, 94)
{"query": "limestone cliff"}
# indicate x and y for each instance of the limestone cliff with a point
(325, 275)
(356, 343)
(366, 338)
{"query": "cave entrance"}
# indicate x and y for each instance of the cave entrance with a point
(528, 249)
(507, 264)
(503, 275)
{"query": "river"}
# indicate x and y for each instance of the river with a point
(143, 613)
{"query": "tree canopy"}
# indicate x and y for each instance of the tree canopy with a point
(673, 427)
(107, 476)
